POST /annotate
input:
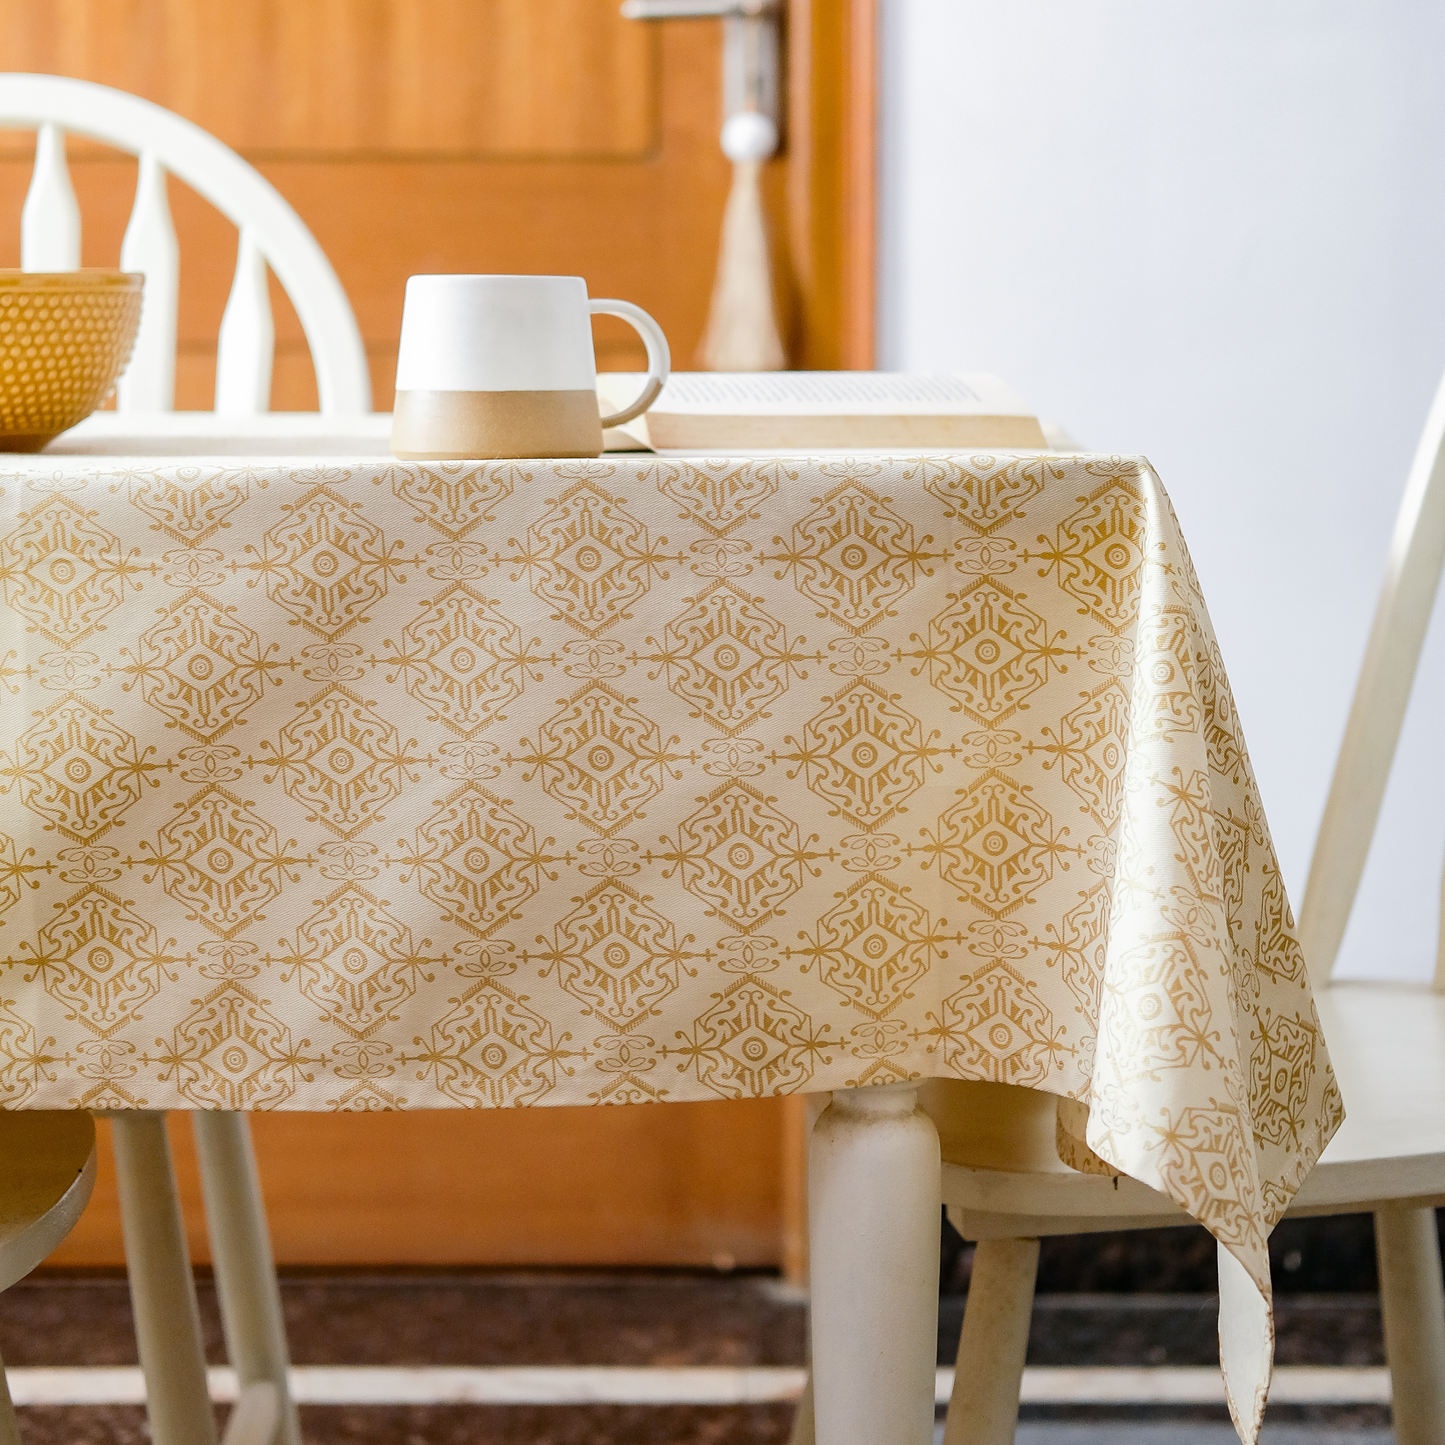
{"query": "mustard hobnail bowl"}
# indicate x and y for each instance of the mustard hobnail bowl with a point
(65, 336)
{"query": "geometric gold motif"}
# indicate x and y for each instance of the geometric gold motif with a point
(1205, 1163)
(14, 869)
(988, 651)
(221, 860)
(601, 758)
(342, 761)
(476, 860)
(325, 563)
(996, 1027)
(232, 1052)
(467, 657)
(193, 505)
(77, 770)
(455, 497)
(865, 754)
(986, 491)
(357, 962)
(62, 571)
(1281, 1070)
(1090, 748)
(23, 1063)
(727, 656)
(1157, 1012)
(995, 845)
(854, 556)
(873, 945)
(100, 959)
(201, 666)
(615, 954)
(740, 854)
(1099, 553)
(720, 494)
(752, 1043)
(590, 558)
(491, 1049)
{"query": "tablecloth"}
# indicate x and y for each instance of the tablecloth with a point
(357, 784)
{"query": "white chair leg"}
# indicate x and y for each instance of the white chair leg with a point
(162, 1289)
(1412, 1301)
(984, 1407)
(9, 1425)
(803, 1431)
(874, 1199)
(241, 1256)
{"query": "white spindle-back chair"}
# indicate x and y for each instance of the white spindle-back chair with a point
(271, 234)
(1003, 1182)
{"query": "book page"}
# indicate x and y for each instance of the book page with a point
(828, 393)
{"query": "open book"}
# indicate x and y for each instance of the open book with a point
(787, 410)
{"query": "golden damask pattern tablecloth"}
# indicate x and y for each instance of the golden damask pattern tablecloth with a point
(377, 785)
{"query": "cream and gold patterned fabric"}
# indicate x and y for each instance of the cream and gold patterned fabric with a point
(374, 785)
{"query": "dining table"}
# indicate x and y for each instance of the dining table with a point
(336, 782)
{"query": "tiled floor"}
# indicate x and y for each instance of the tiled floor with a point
(658, 1319)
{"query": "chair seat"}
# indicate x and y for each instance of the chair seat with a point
(45, 1183)
(1387, 1046)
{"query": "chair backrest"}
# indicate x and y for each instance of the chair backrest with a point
(271, 233)
(1382, 694)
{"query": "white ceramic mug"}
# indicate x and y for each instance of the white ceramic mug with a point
(503, 366)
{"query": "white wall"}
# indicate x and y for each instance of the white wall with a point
(1215, 234)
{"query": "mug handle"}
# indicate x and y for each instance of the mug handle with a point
(659, 358)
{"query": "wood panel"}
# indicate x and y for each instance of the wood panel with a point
(645, 230)
(830, 182)
(642, 1185)
(559, 175)
(493, 78)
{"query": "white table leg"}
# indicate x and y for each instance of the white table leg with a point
(241, 1255)
(874, 1207)
(162, 1289)
(1412, 1301)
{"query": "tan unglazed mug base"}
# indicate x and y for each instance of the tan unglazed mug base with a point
(461, 425)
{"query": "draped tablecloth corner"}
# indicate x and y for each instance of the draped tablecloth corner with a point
(391, 785)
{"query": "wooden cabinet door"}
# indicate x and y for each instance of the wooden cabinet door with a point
(485, 135)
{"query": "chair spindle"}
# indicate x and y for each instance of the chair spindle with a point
(247, 342)
(149, 382)
(50, 220)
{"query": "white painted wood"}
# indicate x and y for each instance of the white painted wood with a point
(1412, 1300)
(235, 188)
(873, 1225)
(245, 1268)
(1382, 693)
(162, 1291)
(203, 433)
(149, 381)
(50, 219)
(804, 1430)
(45, 1186)
(256, 1416)
(984, 1406)
(703, 1385)
(247, 342)
(9, 1425)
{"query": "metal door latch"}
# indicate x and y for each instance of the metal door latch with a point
(751, 68)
